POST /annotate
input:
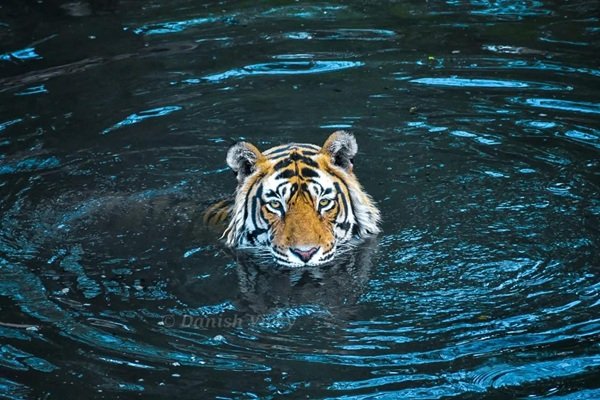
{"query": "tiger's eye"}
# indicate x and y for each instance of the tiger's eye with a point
(324, 202)
(275, 204)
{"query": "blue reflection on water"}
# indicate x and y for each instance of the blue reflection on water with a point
(6, 124)
(162, 28)
(589, 394)
(343, 34)
(516, 9)
(305, 11)
(142, 115)
(112, 360)
(538, 124)
(282, 68)
(579, 135)
(496, 64)
(515, 375)
(30, 164)
(33, 90)
(129, 387)
(21, 55)
(168, 27)
(541, 65)
(564, 105)
(13, 390)
(380, 381)
(478, 381)
(454, 81)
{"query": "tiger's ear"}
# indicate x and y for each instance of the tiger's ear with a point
(341, 147)
(242, 158)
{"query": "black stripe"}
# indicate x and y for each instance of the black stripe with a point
(319, 186)
(309, 173)
(288, 173)
(257, 196)
(284, 260)
(282, 164)
(276, 250)
(328, 256)
(307, 160)
(300, 146)
(279, 187)
(309, 146)
(329, 170)
(295, 157)
(341, 194)
(280, 149)
(258, 178)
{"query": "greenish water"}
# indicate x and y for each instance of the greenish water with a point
(479, 137)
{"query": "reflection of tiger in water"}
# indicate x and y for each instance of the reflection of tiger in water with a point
(298, 203)
(333, 288)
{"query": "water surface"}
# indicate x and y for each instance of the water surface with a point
(477, 125)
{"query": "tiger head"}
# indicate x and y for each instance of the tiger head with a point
(300, 203)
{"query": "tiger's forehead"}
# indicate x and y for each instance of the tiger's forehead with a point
(297, 165)
(286, 150)
(295, 160)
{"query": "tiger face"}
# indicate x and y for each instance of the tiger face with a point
(301, 203)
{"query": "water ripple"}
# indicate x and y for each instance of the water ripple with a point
(454, 81)
(590, 136)
(21, 55)
(13, 390)
(508, 375)
(478, 139)
(161, 28)
(343, 34)
(6, 124)
(33, 90)
(43, 309)
(282, 68)
(30, 164)
(308, 11)
(495, 64)
(142, 115)
(382, 381)
(588, 394)
(562, 105)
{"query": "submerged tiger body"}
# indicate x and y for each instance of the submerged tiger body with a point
(299, 204)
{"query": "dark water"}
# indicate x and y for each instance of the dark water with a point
(479, 136)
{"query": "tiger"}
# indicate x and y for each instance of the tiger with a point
(298, 204)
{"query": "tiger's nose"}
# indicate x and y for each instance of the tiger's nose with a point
(304, 253)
